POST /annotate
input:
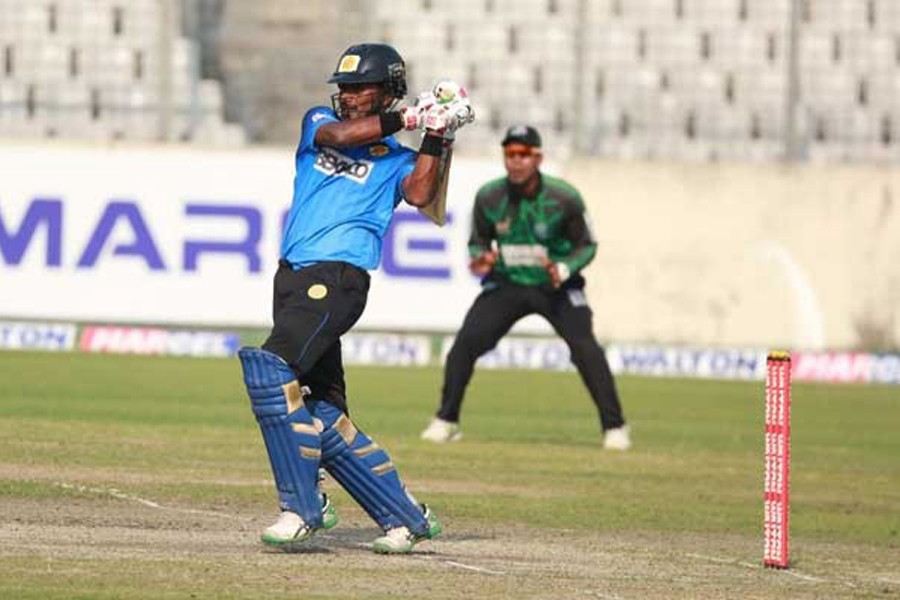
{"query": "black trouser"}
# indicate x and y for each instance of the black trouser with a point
(312, 308)
(494, 313)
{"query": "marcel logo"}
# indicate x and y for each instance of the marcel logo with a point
(332, 162)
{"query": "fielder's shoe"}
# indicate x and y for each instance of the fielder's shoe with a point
(617, 439)
(441, 431)
(400, 540)
(288, 529)
(329, 515)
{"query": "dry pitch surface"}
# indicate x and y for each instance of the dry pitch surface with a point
(132, 546)
(128, 477)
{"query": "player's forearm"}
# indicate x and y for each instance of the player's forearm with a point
(357, 132)
(482, 235)
(420, 187)
(580, 257)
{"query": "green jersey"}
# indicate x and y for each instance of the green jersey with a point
(552, 225)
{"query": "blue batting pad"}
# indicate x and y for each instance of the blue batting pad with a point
(291, 438)
(365, 470)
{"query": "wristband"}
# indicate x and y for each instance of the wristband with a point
(391, 123)
(432, 145)
(562, 269)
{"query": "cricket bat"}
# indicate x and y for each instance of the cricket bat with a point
(437, 210)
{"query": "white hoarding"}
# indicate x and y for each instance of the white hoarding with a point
(179, 236)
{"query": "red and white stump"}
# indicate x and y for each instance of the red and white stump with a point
(777, 460)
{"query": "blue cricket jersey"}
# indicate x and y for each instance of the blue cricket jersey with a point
(344, 198)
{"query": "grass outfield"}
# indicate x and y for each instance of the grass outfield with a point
(129, 477)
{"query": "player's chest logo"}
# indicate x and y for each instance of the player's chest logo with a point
(541, 230)
(503, 226)
(333, 163)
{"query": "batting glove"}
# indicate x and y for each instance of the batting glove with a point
(446, 108)
(411, 116)
(455, 99)
(438, 120)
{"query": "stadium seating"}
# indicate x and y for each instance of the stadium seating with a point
(668, 79)
(102, 70)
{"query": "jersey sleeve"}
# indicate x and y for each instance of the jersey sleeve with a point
(482, 230)
(578, 232)
(312, 120)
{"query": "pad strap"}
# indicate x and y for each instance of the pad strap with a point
(365, 470)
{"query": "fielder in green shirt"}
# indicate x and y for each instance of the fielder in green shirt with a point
(530, 240)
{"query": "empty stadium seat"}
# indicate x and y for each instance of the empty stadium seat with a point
(678, 45)
(642, 69)
(92, 69)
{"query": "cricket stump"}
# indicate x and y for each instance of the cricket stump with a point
(777, 460)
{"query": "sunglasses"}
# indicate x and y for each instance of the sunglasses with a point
(517, 153)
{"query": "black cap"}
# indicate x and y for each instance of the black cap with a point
(522, 134)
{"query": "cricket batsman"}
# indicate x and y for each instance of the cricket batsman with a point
(350, 176)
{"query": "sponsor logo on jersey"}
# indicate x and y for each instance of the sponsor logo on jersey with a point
(523, 255)
(332, 162)
(319, 116)
(349, 64)
(378, 150)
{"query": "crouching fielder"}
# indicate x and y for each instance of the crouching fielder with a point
(350, 176)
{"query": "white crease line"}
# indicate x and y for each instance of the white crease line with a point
(453, 563)
(149, 503)
(603, 596)
(790, 572)
(724, 561)
(730, 561)
(799, 575)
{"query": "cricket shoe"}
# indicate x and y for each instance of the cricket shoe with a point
(441, 431)
(400, 540)
(329, 515)
(288, 529)
(617, 439)
(434, 526)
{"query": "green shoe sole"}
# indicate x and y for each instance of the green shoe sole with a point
(329, 519)
(277, 542)
(385, 549)
(434, 528)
